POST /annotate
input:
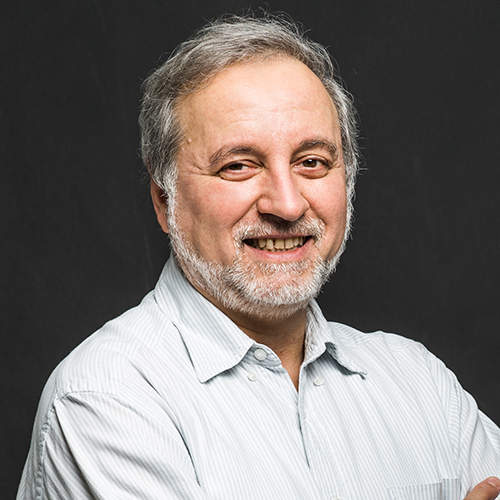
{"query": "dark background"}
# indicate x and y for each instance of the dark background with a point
(79, 241)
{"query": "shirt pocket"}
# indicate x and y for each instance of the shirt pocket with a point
(447, 489)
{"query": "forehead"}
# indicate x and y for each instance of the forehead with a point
(277, 96)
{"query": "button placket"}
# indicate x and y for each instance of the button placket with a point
(263, 359)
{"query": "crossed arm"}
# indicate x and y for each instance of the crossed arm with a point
(65, 457)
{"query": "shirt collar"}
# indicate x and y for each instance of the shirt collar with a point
(325, 336)
(215, 344)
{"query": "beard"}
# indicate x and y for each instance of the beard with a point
(260, 289)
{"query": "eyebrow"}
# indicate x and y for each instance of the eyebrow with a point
(329, 146)
(224, 152)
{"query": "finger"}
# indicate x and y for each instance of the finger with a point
(485, 490)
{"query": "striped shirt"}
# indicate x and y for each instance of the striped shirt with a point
(172, 401)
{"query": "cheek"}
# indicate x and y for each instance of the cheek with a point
(339, 211)
(213, 206)
(329, 201)
(331, 207)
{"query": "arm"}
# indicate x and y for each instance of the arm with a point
(96, 446)
(474, 437)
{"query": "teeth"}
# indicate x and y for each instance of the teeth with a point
(279, 244)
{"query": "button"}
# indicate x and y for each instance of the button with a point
(252, 377)
(260, 354)
(319, 381)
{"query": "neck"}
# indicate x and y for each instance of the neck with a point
(284, 335)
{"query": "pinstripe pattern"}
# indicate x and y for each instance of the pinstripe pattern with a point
(172, 401)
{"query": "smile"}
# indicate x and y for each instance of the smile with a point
(277, 244)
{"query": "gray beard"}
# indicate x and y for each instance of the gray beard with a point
(263, 290)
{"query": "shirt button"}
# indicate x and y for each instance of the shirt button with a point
(319, 381)
(252, 377)
(260, 354)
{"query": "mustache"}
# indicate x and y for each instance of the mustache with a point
(271, 225)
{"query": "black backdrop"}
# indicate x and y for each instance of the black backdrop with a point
(80, 244)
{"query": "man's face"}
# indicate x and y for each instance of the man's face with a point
(260, 204)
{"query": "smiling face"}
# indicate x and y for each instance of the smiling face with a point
(259, 212)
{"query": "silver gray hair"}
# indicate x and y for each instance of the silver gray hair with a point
(218, 45)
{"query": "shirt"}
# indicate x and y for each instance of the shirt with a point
(172, 400)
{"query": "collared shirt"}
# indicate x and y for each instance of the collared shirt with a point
(172, 401)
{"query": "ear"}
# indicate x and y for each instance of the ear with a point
(160, 203)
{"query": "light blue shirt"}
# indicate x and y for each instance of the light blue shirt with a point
(172, 401)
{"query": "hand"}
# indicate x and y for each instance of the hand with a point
(485, 490)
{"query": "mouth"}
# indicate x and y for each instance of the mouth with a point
(277, 244)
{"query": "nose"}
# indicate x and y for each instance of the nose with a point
(281, 195)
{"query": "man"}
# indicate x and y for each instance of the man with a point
(227, 382)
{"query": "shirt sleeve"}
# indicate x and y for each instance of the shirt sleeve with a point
(97, 446)
(475, 436)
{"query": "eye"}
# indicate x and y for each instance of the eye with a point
(312, 167)
(235, 167)
(313, 163)
(237, 172)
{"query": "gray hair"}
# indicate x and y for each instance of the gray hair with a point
(227, 41)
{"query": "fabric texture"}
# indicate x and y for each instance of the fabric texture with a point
(172, 401)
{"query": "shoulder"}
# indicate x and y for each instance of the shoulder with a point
(357, 338)
(379, 342)
(391, 354)
(390, 360)
(100, 363)
(103, 396)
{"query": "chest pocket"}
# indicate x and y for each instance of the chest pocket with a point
(448, 489)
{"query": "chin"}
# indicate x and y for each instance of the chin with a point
(266, 290)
